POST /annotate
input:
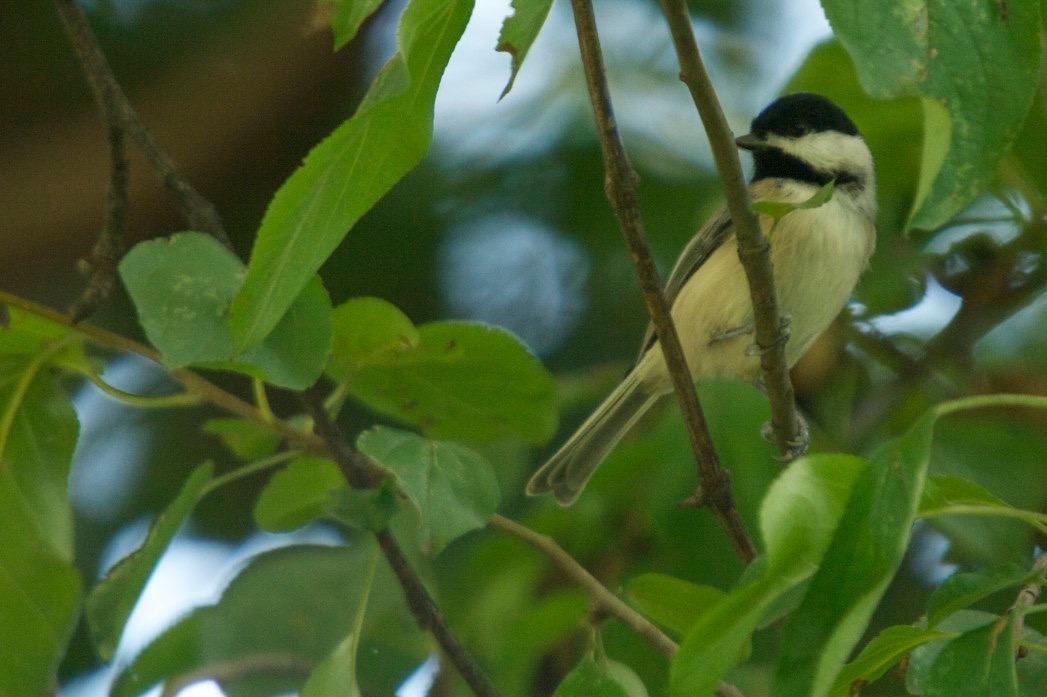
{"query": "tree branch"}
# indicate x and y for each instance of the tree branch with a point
(100, 266)
(1027, 597)
(359, 472)
(602, 599)
(753, 248)
(620, 186)
(198, 212)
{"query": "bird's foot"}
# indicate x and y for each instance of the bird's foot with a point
(784, 332)
(793, 448)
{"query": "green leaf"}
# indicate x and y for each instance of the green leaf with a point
(111, 601)
(347, 16)
(949, 495)
(978, 61)
(300, 493)
(453, 487)
(979, 663)
(779, 209)
(336, 675)
(589, 679)
(39, 588)
(671, 602)
(461, 381)
(886, 649)
(182, 287)
(964, 589)
(519, 30)
(346, 174)
(366, 331)
(798, 517)
(320, 591)
(245, 439)
(26, 335)
(866, 550)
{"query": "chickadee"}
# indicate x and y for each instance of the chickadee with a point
(799, 143)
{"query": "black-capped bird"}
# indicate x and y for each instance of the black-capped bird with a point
(799, 143)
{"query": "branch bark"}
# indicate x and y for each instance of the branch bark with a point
(620, 186)
(198, 212)
(602, 599)
(753, 248)
(1027, 597)
(359, 473)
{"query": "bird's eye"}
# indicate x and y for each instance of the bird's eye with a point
(799, 129)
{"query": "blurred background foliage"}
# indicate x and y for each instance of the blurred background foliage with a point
(505, 221)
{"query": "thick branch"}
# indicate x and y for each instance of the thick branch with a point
(753, 249)
(620, 186)
(425, 610)
(198, 212)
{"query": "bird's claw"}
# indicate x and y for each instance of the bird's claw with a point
(784, 332)
(795, 447)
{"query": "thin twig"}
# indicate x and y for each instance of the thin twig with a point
(1027, 597)
(753, 248)
(191, 381)
(361, 473)
(198, 212)
(100, 266)
(620, 185)
(239, 668)
(603, 600)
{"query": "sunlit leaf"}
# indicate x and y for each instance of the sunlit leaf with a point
(885, 650)
(182, 287)
(519, 30)
(779, 209)
(964, 589)
(453, 487)
(867, 547)
(454, 380)
(671, 602)
(798, 518)
(366, 330)
(346, 16)
(111, 601)
(976, 65)
(589, 679)
(346, 174)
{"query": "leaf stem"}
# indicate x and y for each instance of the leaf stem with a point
(247, 470)
(193, 383)
(991, 400)
(620, 187)
(261, 400)
(183, 399)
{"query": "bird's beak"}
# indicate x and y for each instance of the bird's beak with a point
(750, 141)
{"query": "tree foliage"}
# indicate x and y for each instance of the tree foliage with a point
(446, 417)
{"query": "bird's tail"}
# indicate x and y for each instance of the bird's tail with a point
(567, 472)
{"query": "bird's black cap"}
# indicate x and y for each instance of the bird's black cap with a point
(796, 114)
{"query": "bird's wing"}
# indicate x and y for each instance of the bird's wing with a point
(702, 245)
